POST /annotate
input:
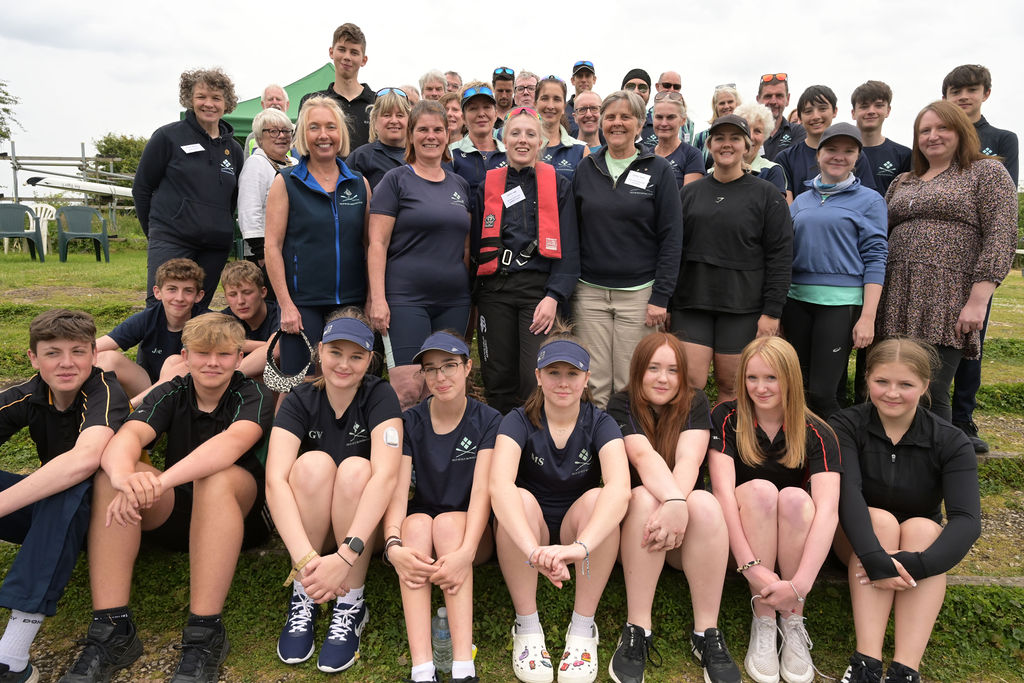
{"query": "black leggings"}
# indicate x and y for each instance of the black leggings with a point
(939, 388)
(823, 338)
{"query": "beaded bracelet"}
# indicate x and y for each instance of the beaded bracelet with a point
(744, 567)
(586, 558)
(297, 567)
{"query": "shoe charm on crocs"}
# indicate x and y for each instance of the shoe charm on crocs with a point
(524, 655)
(585, 656)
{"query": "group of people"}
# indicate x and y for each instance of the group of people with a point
(384, 226)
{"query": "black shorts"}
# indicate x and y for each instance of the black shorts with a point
(421, 508)
(725, 333)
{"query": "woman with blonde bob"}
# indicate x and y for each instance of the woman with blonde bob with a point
(389, 118)
(766, 449)
(901, 465)
(724, 100)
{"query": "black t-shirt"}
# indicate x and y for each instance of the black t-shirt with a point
(887, 161)
(307, 414)
(1000, 143)
(357, 112)
(821, 454)
(443, 464)
(374, 159)
(558, 476)
(170, 408)
(266, 329)
(100, 402)
(148, 330)
(699, 418)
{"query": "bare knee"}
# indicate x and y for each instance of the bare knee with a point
(351, 479)
(918, 533)
(760, 497)
(641, 502)
(449, 528)
(795, 507)
(310, 473)
(886, 528)
(703, 510)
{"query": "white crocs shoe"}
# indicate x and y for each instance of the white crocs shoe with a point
(531, 662)
(579, 660)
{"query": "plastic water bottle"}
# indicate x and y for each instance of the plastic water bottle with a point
(441, 641)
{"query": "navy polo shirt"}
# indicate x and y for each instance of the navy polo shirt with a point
(99, 402)
(558, 476)
(148, 330)
(788, 135)
(821, 454)
(683, 160)
(306, 413)
(887, 161)
(271, 323)
(443, 464)
(374, 159)
(425, 256)
(800, 163)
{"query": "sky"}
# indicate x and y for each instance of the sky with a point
(82, 70)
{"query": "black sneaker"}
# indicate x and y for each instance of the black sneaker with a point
(713, 655)
(631, 655)
(26, 675)
(971, 430)
(103, 654)
(203, 650)
(863, 669)
(900, 673)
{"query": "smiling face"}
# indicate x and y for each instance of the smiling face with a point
(212, 369)
(619, 126)
(727, 145)
(178, 297)
(550, 103)
(869, 116)
(453, 113)
(391, 127)
(208, 105)
(276, 140)
(445, 374)
(661, 378)
(895, 390)
(348, 58)
(587, 112)
(762, 386)
(836, 158)
(562, 384)
(969, 98)
(323, 134)
(725, 103)
(274, 98)
(480, 114)
(344, 364)
(816, 116)
(522, 136)
(667, 120)
(937, 141)
(757, 136)
(64, 364)
(429, 138)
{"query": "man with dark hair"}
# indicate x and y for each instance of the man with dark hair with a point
(348, 52)
(773, 92)
(871, 102)
(502, 82)
(968, 86)
(583, 79)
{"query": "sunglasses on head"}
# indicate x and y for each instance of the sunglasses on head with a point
(583, 62)
(769, 78)
(398, 91)
(479, 90)
(668, 95)
(516, 111)
(722, 86)
(504, 71)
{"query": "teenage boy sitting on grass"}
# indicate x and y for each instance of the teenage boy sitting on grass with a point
(246, 295)
(156, 330)
(71, 409)
(208, 500)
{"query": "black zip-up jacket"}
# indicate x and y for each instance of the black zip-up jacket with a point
(629, 235)
(932, 464)
(186, 186)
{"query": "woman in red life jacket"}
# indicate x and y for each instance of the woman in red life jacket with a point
(526, 255)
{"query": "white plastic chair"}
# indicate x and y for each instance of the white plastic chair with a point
(46, 213)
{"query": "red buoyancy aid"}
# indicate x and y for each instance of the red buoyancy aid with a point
(549, 243)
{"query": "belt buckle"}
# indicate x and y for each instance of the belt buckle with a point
(506, 257)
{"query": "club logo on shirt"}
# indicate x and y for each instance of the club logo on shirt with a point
(537, 460)
(785, 140)
(158, 352)
(886, 170)
(547, 157)
(315, 434)
(226, 167)
(457, 200)
(357, 435)
(466, 450)
(719, 200)
(503, 164)
(348, 198)
(582, 462)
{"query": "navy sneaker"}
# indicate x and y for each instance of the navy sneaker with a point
(296, 642)
(714, 657)
(203, 650)
(26, 675)
(341, 649)
(103, 654)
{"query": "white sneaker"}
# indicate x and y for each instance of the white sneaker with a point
(531, 662)
(579, 660)
(762, 660)
(795, 659)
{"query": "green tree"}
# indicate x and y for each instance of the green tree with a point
(7, 120)
(128, 148)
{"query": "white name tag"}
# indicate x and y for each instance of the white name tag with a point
(638, 179)
(513, 196)
(189, 149)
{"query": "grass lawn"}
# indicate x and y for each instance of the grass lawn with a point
(980, 636)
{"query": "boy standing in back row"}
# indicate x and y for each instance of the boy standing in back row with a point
(872, 103)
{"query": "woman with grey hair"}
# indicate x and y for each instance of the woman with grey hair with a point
(669, 116)
(762, 123)
(186, 186)
(631, 235)
(272, 130)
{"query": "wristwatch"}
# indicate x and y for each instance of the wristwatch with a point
(354, 544)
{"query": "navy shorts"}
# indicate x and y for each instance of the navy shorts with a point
(411, 325)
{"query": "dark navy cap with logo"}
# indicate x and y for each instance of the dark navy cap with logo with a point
(349, 329)
(563, 351)
(442, 341)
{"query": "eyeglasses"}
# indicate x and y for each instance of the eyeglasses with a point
(668, 95)
(525, 88)
(522, 110)
(768, 78)
(583, 62)
(722, 86)
(398, 91)
(671, 86)
(592, 109)
(504, 71)
(447, 369)
(479, 90)
(278, 132)
(641, 87)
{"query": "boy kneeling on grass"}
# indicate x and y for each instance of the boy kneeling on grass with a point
(209, 501)
(156, 330)
(71, 409)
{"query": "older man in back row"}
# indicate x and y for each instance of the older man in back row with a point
(274, 97)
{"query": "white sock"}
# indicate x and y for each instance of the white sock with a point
(463, 669)
(21, 631)
(527, 624)
(354, 596)
(423, 672)
(581, 626)
(698, 633)
(298, 589)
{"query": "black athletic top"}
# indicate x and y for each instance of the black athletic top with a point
(821, 455)
(699, 418)
(271, 323)
(558, 476)
(171, 409)
(932, 464)
(443, 464)
(1001, 143)
(374, 159)
(887, 161)
(357, 112)
(307, 414)
(148, 330)
(99, 402)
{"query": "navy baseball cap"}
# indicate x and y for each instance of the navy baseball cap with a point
(442, 341)
(730, 120)
(349, 329)
(563, 351)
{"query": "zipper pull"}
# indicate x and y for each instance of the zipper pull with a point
(893, 458)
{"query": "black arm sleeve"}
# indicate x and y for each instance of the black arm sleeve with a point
(669, 231)
(778, 254)
(565, 272)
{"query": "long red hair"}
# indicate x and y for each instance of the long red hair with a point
(661, 430)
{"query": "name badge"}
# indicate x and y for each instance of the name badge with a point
(189, 149)
(638, 179)
(513, 196)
